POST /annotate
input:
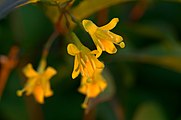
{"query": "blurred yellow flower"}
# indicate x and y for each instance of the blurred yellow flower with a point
(48, 1)
(28, 2)
(33, 1)
(92, 87)
(102, 37)
(38, 83)
(85, 61)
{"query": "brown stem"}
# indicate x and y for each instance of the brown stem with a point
(102, 16)
(49, 42)
(7, 64)
(118, 110)
(139, 10)
(34, 109)
(90, 115)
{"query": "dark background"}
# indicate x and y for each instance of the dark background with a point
(145, 75)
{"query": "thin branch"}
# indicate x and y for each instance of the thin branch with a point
(7, 64)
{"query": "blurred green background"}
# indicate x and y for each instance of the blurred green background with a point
(145, 75)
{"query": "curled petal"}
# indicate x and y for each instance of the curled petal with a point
(98, 64)
(72, 49)
(29, 71)
(110, 25)
(89, 26)
(99, 53)
(76, 70)
(115, 38)
(109, 46)
(49, 72)
(94, 52)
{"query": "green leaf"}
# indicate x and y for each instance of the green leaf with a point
(88, 7)
(84, 9)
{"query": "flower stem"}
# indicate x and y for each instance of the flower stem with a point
(46, 49)
(49, 43)
(76, 39)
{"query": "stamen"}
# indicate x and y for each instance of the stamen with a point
(85, 103)
(122, 45)
(82, 62)
(20, 92)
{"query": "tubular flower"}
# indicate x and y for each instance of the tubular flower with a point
(85, 61)
(92, 87)
(103, 38)
(38, 83)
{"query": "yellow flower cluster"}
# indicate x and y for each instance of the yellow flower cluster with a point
(86, 62)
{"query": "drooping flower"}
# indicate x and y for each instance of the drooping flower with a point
(103, 38)
(38, 83)
(92, 87)
(85, 61)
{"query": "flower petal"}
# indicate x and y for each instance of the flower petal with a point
(101, 82)
(49, 72)
(93, 90)
(89, 26)
(115, 38)
(110, 25)
(47, 90)
(99, 53)
(76, 70)
(109, 46)
(38, 94)
(83, 89)
(29, 71)
(72, 49)
(45, 84)
(94, 52)
(99, 45)
(30, 85)
(98, 64)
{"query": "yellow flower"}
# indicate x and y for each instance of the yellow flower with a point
(28, 2)
(85, 61)
(93, 86)
(34, 1)
(38, 83)
(102, 37)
